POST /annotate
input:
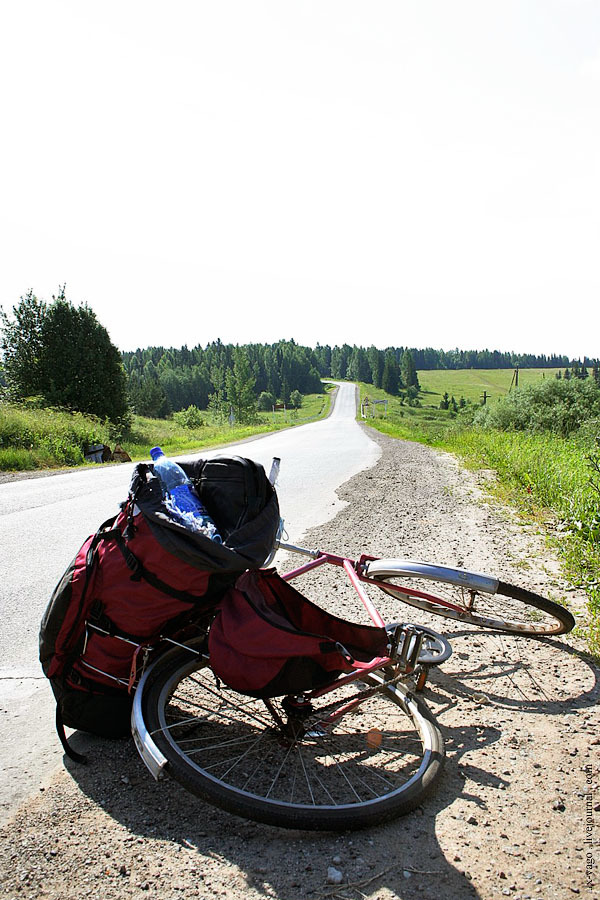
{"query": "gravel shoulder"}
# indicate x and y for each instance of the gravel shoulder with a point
(518, 801)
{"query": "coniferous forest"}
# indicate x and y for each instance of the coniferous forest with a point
(46, 350)
(162, 381)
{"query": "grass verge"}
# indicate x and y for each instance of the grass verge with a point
(547, 477)
(34, 438)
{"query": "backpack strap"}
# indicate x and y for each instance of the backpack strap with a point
(90, 560)
(139, 479)
(140, 571)
(60, 730)
(100, 622)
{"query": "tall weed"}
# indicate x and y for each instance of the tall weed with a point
(557, 474)
(34, 437)
(42, 438)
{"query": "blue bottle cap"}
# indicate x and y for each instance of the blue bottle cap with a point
(156, 452)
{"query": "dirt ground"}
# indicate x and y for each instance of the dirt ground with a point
(516, 811)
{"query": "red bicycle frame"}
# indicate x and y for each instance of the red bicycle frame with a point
(353, 569)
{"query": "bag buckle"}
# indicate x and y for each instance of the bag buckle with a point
(134, 665)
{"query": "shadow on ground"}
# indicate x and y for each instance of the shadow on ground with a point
(403, 856)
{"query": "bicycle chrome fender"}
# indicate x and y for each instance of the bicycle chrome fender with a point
(380, 568)
(153, 759)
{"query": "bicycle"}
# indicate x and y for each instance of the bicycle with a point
(357, 752)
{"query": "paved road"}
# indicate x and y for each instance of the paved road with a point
(43, 522)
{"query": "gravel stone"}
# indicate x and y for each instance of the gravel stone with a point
(107, 830)
(334, 876)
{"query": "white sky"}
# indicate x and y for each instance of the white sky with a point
(422, 173)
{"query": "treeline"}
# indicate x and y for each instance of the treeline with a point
(62, 355)
(165, 380)
(343, 359)
(161, 381)
(488, 359)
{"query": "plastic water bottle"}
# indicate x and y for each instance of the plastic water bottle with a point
(180, 497)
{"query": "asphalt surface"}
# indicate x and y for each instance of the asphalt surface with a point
(44, 521)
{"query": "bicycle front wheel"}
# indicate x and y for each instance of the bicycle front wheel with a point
(469, 597)
(361, 755)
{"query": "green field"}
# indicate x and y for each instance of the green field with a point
(471, 383)
(424, 420)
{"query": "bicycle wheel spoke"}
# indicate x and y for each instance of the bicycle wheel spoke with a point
(318, 780)
(205, 707)
(295, 747)
(341, 771)
(356, 749)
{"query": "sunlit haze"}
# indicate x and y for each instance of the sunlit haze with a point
(386, 172)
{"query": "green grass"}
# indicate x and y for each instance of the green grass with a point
(49, 438)
(428, 423)
(546, 477)
(422, 423)
(37, 438)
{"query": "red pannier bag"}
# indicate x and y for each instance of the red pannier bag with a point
(142, 577)
(268, 640)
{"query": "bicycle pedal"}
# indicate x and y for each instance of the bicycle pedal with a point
(405, 644)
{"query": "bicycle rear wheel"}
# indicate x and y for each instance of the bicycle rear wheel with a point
(338, 768)
(469, 597)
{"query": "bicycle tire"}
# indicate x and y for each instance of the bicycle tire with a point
(373, 765)
(470, 597)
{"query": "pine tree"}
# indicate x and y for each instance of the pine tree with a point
(79, 366)
(376, 362)
(63, 353)
(148, 398)
(217, 405)
(240, 388)
(408, 370)
(390, 381)
(358, 366)
(22, 345)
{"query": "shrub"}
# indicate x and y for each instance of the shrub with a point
(189, 418)
(560, 406)
(266, 401)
